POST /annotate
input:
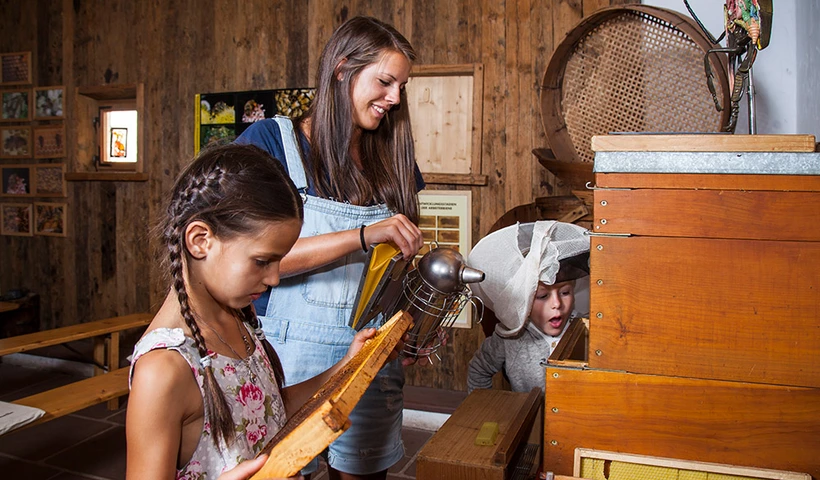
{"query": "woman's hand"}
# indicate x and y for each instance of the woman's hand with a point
(246, 469)
(398, 230)
(422, 356)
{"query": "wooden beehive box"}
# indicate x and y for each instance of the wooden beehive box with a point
(451, 454)
(704, 306)
(707, 264)
(736, 423)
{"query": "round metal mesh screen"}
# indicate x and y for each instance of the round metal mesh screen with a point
(630, 72)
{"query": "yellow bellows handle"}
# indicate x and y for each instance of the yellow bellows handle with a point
(380, 259)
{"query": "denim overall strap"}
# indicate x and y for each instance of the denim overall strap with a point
(292, 155)
(306, 321)
(317, 305)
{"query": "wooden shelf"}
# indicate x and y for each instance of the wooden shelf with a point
(454, 179)
(723, 142)
(106, 176)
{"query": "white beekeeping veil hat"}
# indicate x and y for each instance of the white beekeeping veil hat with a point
(517, 257)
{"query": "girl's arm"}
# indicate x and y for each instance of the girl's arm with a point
(310, 253)
(163, 394)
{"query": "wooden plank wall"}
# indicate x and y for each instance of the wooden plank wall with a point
(178, 48)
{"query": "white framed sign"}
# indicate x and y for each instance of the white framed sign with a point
(445, 219)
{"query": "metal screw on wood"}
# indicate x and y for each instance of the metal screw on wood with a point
(603, 203)
(600, 282)
(599, 315)
(598, 352)
(555, 375)
(553, 442)
(554, 409)
(603, 221)
(600, 247)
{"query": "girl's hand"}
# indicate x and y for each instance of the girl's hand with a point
(246, 469)
(398, 230)
(358, 342)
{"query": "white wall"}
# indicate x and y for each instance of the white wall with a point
(788, 88)
(808, 63)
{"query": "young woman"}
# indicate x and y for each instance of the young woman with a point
(351, 157)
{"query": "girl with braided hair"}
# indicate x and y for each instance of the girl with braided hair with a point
(206, 387)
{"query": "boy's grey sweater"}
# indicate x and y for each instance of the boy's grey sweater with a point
(522, 358)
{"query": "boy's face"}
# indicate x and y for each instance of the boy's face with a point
(552, 306)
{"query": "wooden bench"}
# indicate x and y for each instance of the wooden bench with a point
(78, 395)
(109, 381)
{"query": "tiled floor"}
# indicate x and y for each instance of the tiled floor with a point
(91, 443)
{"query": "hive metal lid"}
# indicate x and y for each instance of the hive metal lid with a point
(758, 163)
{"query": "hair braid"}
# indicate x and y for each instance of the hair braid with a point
(215, 403)
(236, 190)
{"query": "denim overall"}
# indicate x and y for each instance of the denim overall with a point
(306, 321)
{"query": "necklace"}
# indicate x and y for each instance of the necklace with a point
(245, 360)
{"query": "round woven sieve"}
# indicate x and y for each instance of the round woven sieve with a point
(630, 69)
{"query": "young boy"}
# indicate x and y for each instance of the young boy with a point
(531, 270)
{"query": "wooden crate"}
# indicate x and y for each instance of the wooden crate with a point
(708, 275)
(704, 306)
(451, 453)
(737, 423)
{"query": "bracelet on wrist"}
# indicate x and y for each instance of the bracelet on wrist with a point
(361, 237)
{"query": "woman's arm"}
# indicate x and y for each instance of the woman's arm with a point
(163, 394)
(310, 253)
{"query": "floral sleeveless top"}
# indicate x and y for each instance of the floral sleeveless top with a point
(250, 389)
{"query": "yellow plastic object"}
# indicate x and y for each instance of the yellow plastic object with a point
(380, 259)
(487, 434)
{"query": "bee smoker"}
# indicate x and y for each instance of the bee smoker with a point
(434, 294)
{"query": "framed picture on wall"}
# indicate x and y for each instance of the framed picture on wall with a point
(48, 142)
(17, 180)
(48, 102)
(15, 106)
(118, 142)
(15, 68)
(49, 180)
(50, 219)
(221, 117)
(15, 142)
(16, 219)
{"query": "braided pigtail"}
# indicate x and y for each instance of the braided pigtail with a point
(217, 407)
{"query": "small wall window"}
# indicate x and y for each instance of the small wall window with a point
(118, 128)
(108, 134)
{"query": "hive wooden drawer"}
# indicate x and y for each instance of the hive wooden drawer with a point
(746, 310)
(746, 424)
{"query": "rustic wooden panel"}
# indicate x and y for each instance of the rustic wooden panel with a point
(795, 183)
(684, 418)
(761, 215)
(703, 143)
(738, 309)
(105, 266)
